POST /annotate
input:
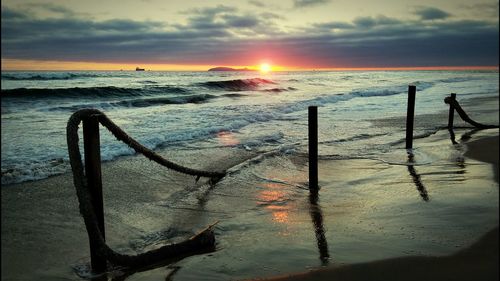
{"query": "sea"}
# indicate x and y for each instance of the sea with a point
(255, 111)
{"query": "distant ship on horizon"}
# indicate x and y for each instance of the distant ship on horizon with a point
(139, 69)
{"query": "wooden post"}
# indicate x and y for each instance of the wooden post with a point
(92, 147)
(452, 112)
(313, 147)
(409, 116)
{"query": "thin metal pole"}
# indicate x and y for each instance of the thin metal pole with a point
(410, 115)
(313, 147)
(92, 147)
(452, 112)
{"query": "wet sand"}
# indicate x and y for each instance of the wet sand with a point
(269, 226)
(476, 262)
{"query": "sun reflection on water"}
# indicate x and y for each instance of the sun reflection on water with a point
(227, 138)
(280, 213)
(274, 197)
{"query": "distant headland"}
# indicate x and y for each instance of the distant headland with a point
(222, 68)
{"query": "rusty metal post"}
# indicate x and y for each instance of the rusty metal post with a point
(313, 148)
(412, 90)
(92, 147)
(452, 112)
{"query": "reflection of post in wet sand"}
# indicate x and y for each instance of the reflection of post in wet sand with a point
(452, 136)
(464, 137)
(274, 197)
(460, 161)
(317, 219)
(416, 178)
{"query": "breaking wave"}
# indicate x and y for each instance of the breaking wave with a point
(141, 102)
(91, 92)
(237, 85)
(52, 76)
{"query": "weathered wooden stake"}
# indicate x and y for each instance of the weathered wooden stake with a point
(452, 112)
(92, 147)
(313, 147)
(409, 116)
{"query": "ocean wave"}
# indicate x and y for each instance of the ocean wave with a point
(193, 134)
(279, 90)
(143, 102)
(34, 170)
(460, 79)
(233, 95)
(90, 92)
(51, 76)
(237, 85)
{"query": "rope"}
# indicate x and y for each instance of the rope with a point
(203, 239)
(453, 103)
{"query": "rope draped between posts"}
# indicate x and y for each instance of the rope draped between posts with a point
(72, 135)
(203, 239)
(453, 103)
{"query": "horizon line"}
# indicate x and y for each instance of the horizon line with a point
(425, 68)
(36, 65)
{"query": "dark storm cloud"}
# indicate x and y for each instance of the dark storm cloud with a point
(307, 3)
(431, 13)
(222, 35)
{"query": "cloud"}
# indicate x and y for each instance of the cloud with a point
(333, 25)
(225, 35)
(246, 21)
(369, 22)
(9, 14)
(257, 3)
(51, 7)
(230, 19)
(308, 3)
(211, 11)
(365, 22)
(482, 10)
(431, 13)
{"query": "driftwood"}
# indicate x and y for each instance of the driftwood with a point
(453, 103)
(202, 240)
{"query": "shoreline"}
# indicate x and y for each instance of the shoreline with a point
(478, 261)
(146, 199)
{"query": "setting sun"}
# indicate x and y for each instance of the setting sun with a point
(265, 67)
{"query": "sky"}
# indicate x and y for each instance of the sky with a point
(286, 34)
